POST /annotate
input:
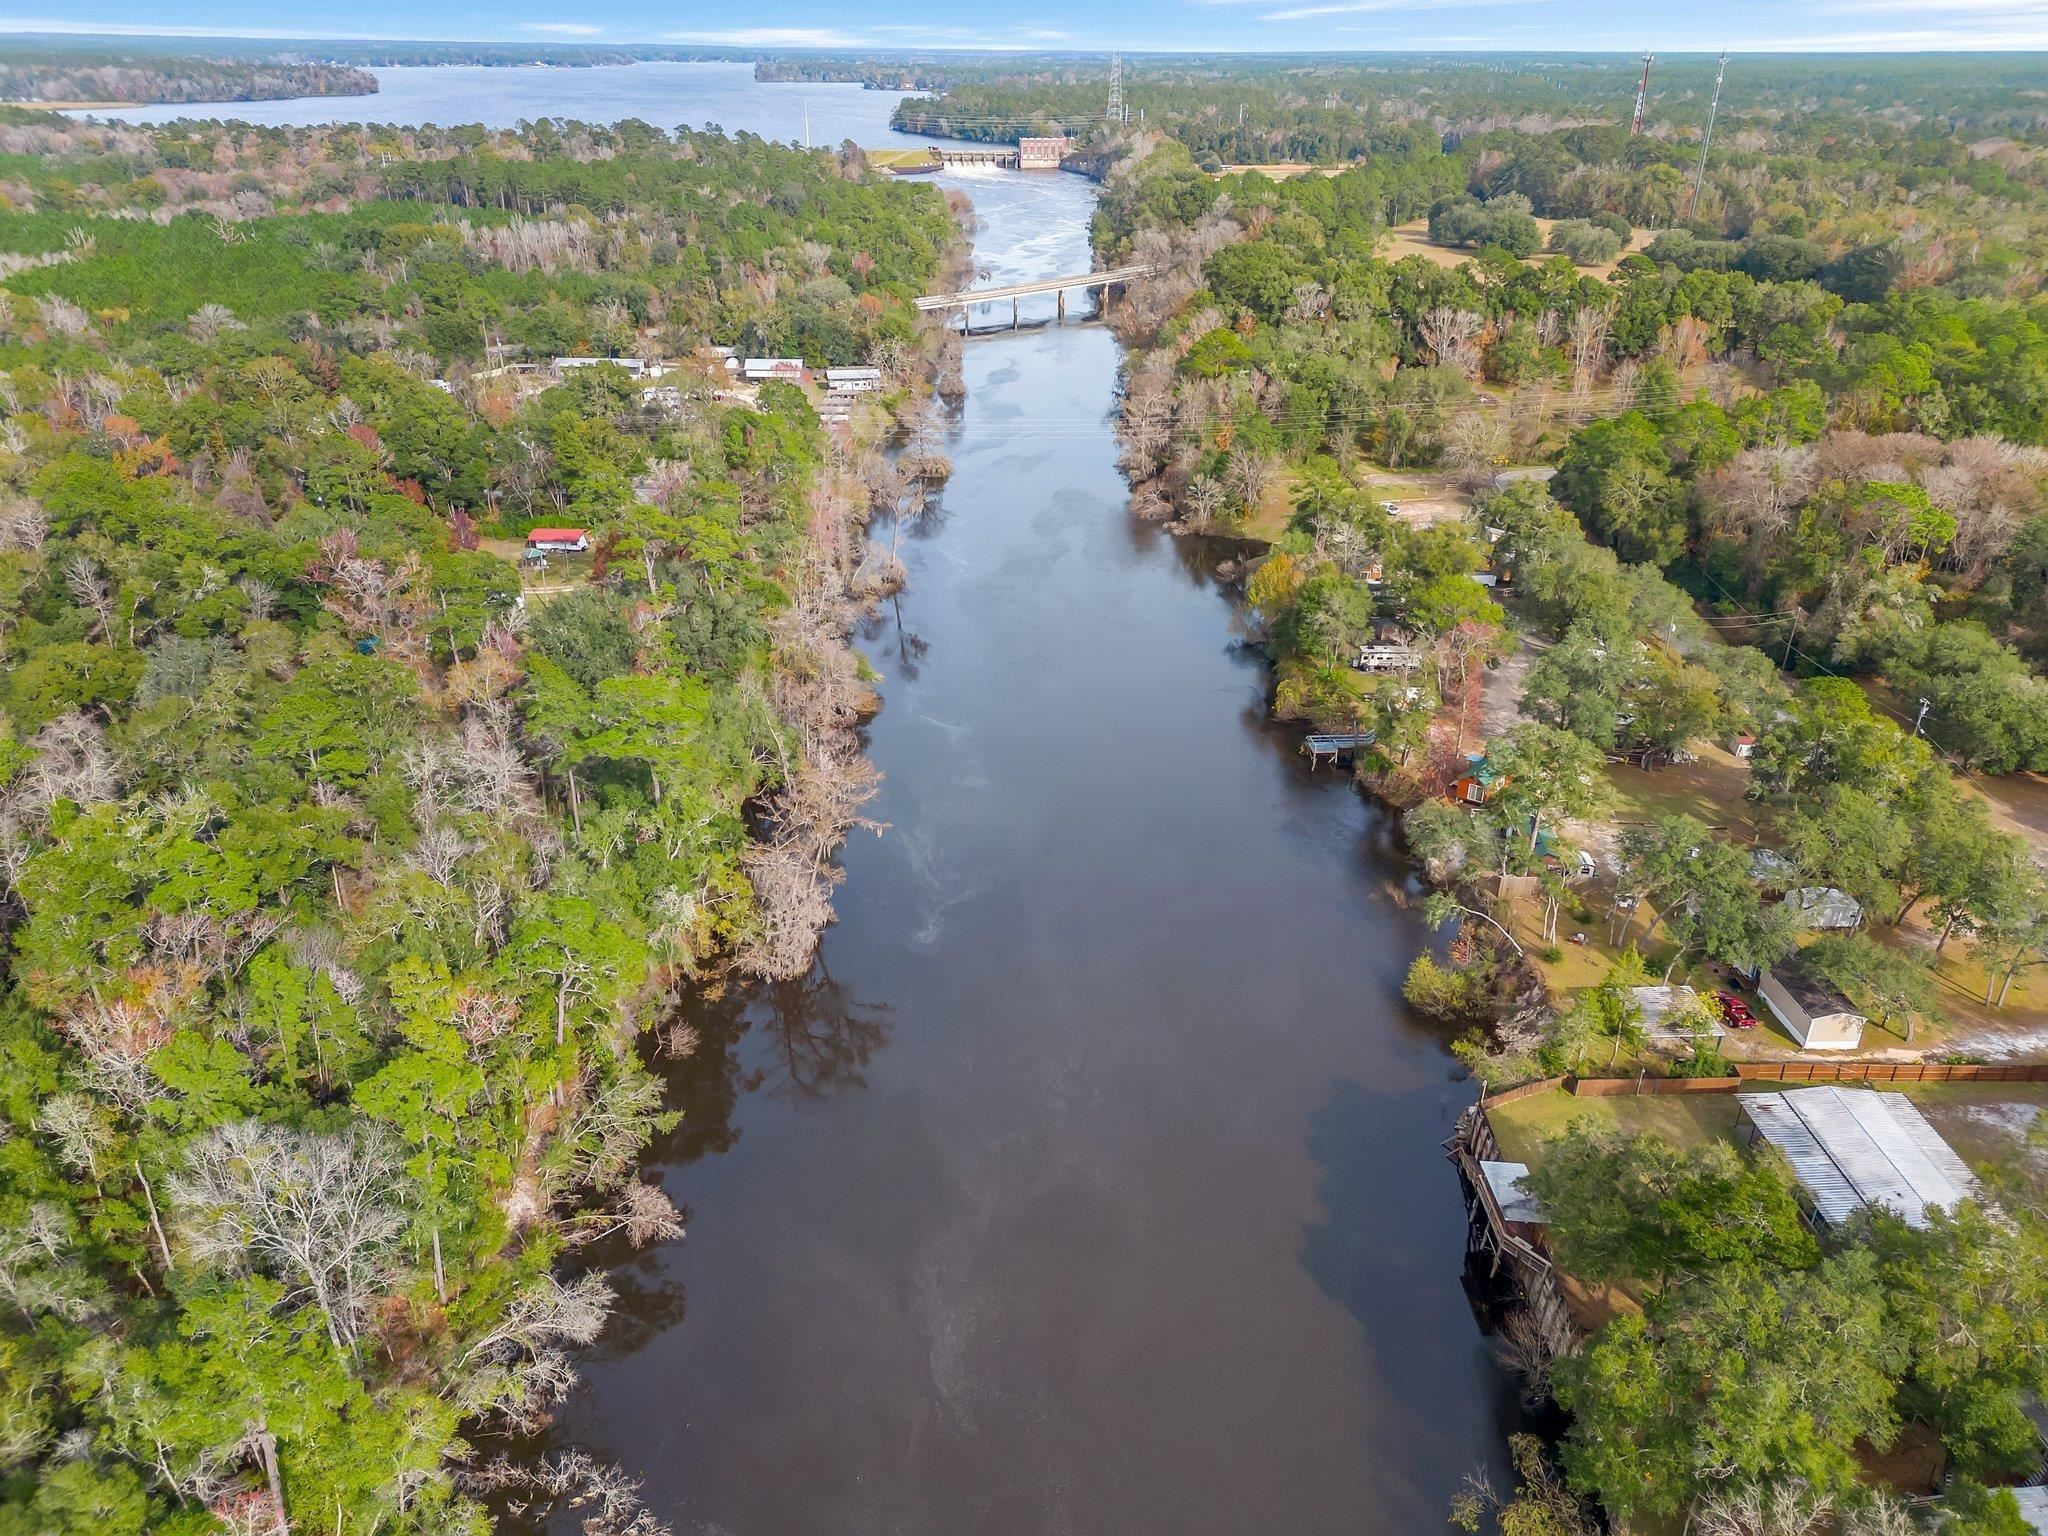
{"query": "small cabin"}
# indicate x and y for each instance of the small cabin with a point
(1813, 1013)
(1743, 745)
(1478, 783)
(557, 541)
(853, 381)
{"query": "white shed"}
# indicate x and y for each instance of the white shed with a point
(1817, 1016)
(1854, 1147)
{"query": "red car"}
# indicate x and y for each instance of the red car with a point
(1737, 1011)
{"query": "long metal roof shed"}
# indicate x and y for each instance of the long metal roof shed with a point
(1852, 1147)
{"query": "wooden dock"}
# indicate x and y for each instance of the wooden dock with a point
(1334, 747)
(1508, 1259)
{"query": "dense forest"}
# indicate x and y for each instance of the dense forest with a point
(1330, 108)
(345, 862)
(99, 76)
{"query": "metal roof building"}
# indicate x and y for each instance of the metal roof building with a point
(1853, 1147)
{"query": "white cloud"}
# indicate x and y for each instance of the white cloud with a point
(562, 28)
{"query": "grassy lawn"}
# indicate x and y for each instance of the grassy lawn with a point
(1412, 239)
(1275, 510)
(1689, 1120)
(1711, 789)
(886, 159)
(563, 572)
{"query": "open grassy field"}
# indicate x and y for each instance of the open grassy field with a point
(1689, 1120)
(1412, 239)
(889, 159)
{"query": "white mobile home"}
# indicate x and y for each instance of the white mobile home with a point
(1814, 1013)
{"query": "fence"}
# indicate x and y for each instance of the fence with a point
(1892, 1072)
(1781, 1072)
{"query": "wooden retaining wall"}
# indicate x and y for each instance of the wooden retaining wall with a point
(1489, 1238)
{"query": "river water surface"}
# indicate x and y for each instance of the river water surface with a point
(1092, 1183)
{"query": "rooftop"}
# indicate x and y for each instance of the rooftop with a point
(1854, 1147)
(1511, 1194)
(1810, 992)
(1822, 906)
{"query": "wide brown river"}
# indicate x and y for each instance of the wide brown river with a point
(1092, 1183)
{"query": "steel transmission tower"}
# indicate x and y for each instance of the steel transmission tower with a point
(1699, 176)
(1118, 113)
(1635, 123)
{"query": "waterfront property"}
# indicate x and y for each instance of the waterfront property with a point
(1855, 1147)
(1813, 1013)
(1478, 783)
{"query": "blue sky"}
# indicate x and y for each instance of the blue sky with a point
(1271, 25)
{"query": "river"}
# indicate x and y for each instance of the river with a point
(1092, 1183)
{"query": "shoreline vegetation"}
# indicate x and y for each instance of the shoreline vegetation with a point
(349, 852)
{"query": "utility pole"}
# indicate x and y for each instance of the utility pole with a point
(1116, 88)
(1921, 718)
(807, 122)
(1699, 176)
(1635, 123)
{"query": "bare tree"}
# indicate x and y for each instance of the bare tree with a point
(1452, 337)
(1766, 1509)
(313, 1208)
(1252, 474)
(1586, 346)
(605, 1499)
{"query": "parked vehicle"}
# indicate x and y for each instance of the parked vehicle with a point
(1735, 1010)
